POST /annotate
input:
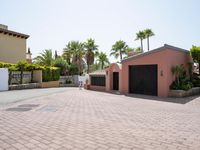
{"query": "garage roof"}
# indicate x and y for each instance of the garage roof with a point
(166, 46)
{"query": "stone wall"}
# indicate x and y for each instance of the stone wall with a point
(25, 86)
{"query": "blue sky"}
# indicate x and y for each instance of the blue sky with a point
(52, 23)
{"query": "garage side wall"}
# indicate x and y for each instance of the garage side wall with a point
(176, 58)
(164, 60)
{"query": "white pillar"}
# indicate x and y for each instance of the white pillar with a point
(4, 79)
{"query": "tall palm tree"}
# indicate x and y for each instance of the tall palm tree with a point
(45, 58)
(68, 52)
(78, 55)
(74, 53)
(90, 48)
(140, 36)
(103, 59)
(119, 49)
(148, 33)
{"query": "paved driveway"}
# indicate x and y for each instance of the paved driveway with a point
(87, 120)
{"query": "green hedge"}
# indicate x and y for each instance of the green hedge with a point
(48, 73)
(18, 66)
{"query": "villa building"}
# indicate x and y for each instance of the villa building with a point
(12, 45)
(146, 73)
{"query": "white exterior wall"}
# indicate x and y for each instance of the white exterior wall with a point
(3, 79)
(83, 78)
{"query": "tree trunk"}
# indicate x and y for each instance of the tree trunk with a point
(141, 46)
(32, 76)
(120, 56)
(102, 64)
(199, 69)
(88, 69)
(148, 43)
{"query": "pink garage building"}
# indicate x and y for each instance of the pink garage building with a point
(147, 73)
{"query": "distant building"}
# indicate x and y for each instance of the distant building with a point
(12, 45)
(29, 56)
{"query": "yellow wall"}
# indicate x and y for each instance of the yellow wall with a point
(12, 49)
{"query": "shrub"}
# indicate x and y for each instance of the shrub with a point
(46, 74)
(184, 84)
(62, 64)
(195, 53)
(55, 73)
(196, 81)
(73, 69)
(50, 74)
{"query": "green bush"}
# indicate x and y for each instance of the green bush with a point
(196, 81)
(50, 74)
(55, 73)
(184, 84)
(73, 69)
(62, 64)
(20, 65)
(46, 74)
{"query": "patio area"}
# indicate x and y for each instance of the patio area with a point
(88, 120)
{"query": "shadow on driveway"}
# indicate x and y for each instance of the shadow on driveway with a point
(183, 100)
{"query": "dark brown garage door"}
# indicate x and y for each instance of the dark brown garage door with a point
(143, 79)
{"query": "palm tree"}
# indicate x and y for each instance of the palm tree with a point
(78, 54)
(103, 59)
(140, 36)
(74, 53)
(118, 49)
(68, 51)
(178, 71)
(90, 48)
(45, 58)
(148, 33)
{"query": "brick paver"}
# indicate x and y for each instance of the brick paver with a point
(89, 120)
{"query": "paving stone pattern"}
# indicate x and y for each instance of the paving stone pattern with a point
(89, 120)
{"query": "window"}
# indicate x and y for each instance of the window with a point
(98, 81)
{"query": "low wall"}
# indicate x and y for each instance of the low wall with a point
(97, 88)
(75, 79)
(182, 93)
(25, 86)
(50, 84)
(16, 77)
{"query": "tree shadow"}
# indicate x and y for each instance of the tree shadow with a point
(182, 100)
